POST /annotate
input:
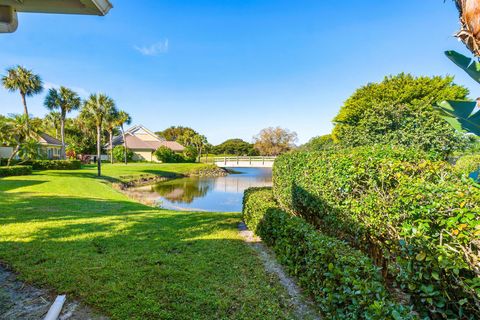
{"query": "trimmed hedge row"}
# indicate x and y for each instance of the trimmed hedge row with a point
(416, 218)
(55, 164)
(343, 281)
(15, 171)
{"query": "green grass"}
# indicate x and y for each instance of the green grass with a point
(71, 232)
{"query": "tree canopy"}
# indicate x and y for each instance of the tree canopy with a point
(174, 133)
(319, 143)
(274, 141)
(399, 110)
(236, 147)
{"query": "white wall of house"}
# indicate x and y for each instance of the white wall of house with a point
(5, 152)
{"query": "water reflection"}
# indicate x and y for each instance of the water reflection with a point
(208, 194)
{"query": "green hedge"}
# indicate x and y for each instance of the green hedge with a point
(55, 164)
(343, 281)
(15, 171)
(468, 164)
(416, 218)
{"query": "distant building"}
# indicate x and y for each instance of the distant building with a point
(50, 148)
(143, 142)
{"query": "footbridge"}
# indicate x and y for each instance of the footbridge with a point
(244, 162)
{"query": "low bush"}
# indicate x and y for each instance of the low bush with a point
(55, 164)
(167, 155)
(416, 218)
(343, 281)
(119, 154)
(15, 171)
(468, 165)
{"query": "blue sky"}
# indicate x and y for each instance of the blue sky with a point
(231, 68)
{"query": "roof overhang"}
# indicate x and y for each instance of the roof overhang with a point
(9, 9)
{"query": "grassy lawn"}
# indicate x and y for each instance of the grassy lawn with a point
(71, 232)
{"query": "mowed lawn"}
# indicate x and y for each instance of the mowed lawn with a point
(73, 233)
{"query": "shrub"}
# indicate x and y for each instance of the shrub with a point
(119, 154)
(55, 164)
(399, 110)
(166, 155)
(190, 154)
(15, 171)
(343, 281)
(468, 165)
(413, 216)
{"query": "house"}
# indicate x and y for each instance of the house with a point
(50, 148)
(143, 143)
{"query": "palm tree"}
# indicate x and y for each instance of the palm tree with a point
(24, 81)
(122, 119)
(470, 33)
(96, 108)
(53, 120)
(17, 132)
(111, 123)
(64, 100)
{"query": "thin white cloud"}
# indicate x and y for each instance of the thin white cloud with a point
(81, 91)
(154, 49)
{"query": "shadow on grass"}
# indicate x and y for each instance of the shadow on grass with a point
(8, 185)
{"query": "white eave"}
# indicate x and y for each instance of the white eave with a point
(89, 7)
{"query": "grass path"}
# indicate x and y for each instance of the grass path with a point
(71, 232)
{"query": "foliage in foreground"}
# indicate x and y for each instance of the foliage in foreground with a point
(15, 171)
(343, 281)
(399, 111)
(418, 219)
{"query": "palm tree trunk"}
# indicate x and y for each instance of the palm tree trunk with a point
(124, 145)
(14, 153)
(62, 133)
(25, 109)
(99, 150)
(110, 133)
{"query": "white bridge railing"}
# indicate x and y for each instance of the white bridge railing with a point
(255, 162)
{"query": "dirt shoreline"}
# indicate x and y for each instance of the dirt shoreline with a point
(19, 300)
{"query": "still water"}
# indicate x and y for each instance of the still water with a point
(207, 194)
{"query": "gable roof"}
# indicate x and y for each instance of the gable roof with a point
(46, 139)
(133, 142)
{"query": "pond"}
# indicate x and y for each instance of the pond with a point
(216, 194)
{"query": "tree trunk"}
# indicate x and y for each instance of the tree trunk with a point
(14, 153)
(200, 154)
(25, 109)
(99, 150)
(62, 133)
(124, 144)
(110, 133)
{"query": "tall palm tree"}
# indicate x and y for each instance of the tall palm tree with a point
(111, 123)
(25, 82)
(64, 100)
(123, 119)
(53, 120)
(97, 107)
